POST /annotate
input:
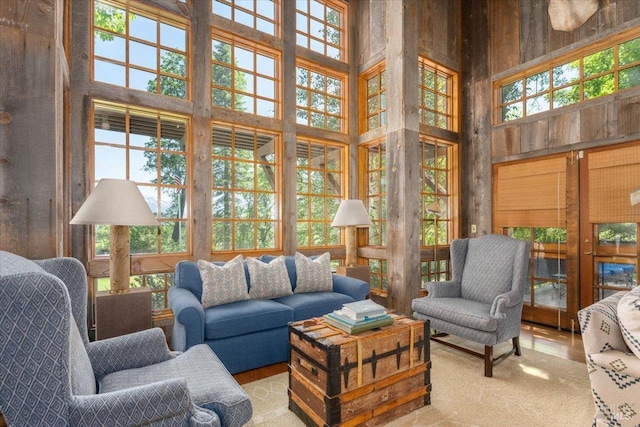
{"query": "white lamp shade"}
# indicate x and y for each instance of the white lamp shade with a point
(351, 213)
(115, 202)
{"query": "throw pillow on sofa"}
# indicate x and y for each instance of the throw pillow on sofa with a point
(629, 319)
(314, 275)
(223, 284)
(268, 280)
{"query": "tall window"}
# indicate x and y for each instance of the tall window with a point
(245, 175)
(258, 14)
(571, 79)
(376, 196)
(437, 89)
(436, 179)
(137, 50)
(244, 77)
(320, 188)
(320, 26)
(374, 93)
(319, 99)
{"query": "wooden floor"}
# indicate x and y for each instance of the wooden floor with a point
(534, 337)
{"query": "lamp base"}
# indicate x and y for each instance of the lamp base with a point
(362, 272)
(122, 313)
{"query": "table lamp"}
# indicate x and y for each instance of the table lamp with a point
(118, 203)
(351, 214)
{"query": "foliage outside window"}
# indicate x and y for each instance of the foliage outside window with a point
(137, 50)
(150, 148)
(245, 179)
(258, 14)
(244, 77)
(435, 182)
(377, 192)
(571, 80)
(320, 27)
(320, 188)
(376, 99)
(436, 89)
(320, 99)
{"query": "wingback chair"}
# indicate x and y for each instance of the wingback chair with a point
(614, 370)
(483, 300)
(51, 375)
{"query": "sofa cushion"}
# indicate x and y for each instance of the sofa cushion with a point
(268, 280)
(223, 284)
(315, 304)
(629, 319)
(244, 317)
(313, 275)
(289, 262)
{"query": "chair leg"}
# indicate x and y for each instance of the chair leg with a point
(488, 361)
(516, 345)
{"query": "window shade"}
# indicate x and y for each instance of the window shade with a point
(531, 194)
(613, 175)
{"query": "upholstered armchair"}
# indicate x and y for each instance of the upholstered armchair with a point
(614, 370)
(51, 375)
(483, 300)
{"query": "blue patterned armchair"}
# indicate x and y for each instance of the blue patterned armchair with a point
(51, 375)
(483, 300)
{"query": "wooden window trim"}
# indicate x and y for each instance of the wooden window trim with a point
(363, 96)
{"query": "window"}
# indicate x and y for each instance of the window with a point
(437, 87)
(258, 14)
(376, 200)
(136, 50)
(320, 188)
(319, 99)
(374, 94)
(572, 79)
(245, 180)
(150, 148)
(320, 27)
(435, 193)
(244, 77)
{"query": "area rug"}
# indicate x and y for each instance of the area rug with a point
(532, 390)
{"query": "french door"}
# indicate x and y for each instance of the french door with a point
(575, 210)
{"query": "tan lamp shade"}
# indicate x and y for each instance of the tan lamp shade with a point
(120, 204)
(351, 214)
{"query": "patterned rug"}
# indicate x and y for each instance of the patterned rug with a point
(532, 390)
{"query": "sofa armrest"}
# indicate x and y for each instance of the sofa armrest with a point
(446, 289)
(599, 326)
(188, 329)
(624, 363)
(355, 288)
(128, 351)
(167, 401)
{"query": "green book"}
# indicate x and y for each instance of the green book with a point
(359, 326)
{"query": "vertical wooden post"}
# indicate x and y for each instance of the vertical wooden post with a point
(402, 154)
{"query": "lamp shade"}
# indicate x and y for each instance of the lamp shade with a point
(351, 213)
(115, 202)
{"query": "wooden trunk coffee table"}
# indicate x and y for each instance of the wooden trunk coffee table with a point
(366, 379)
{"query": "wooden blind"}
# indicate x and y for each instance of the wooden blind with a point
(531, 194)
(613, 174)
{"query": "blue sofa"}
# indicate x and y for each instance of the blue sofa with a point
(252, 333)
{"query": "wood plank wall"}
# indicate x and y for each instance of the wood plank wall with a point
(31, 123)
(501, 38)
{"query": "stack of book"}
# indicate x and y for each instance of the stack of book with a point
(359, 316)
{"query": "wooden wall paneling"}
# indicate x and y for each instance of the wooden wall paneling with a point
(628, 113)
(31, 170)
(594, 122)
(402, 155)
(505, 141)
(201, 246)
(439, 37)
(564, 129)
(534, 135)
(627, 10)
(504, 21)
(534, 24)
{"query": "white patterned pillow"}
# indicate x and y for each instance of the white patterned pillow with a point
(268, 280)
(314, 275)
(223, 284)
(629, 319)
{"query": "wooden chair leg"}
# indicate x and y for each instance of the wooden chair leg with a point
(516, 345)
(488, 361)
